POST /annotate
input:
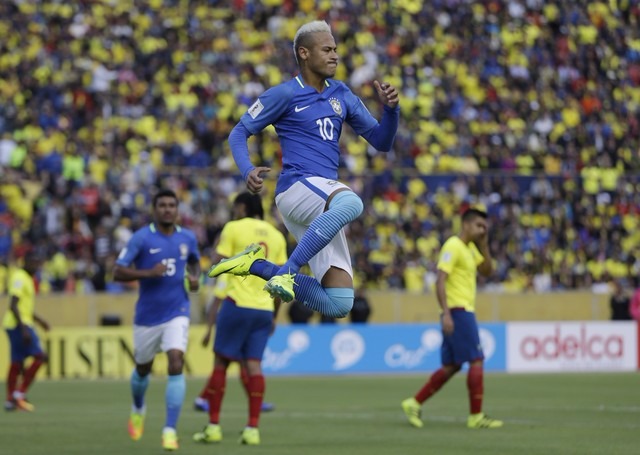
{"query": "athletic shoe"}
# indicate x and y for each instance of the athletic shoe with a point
(136, 425)
(239, 264)
(281, 286)
(10, 405)
(267, 407)
(201, 404)
(250, 436)
(481, 420)
(24, 405)
(211, 433)
(413, 411)
(169, 439)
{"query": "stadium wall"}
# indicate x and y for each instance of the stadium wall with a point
(318, 349)
(64, 310)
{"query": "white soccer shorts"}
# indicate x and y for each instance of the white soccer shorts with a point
(303, 202)
(150, 340)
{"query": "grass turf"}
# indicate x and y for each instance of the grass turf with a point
(543, 414)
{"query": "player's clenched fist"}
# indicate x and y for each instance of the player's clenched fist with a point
(387, 93)
(255, 180)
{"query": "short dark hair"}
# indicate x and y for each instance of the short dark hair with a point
(252, 203)
(470, 214)
(164, 193)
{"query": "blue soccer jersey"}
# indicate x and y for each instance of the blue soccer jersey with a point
(309, 125)
(164, 298)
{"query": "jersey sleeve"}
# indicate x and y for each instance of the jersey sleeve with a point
(448, 256)
(220, 289)
(358, 116)
(130, 252)
(225, 243)
(267, 109)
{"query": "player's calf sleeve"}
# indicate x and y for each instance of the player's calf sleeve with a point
(333, 302)
(174, 397)
(139, 386)
(30, 374)
(345, 207)
(12, 379)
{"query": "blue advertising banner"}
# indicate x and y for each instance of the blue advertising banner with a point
(378, 348)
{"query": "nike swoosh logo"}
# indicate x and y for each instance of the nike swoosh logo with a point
(155, 250)
(300, 109)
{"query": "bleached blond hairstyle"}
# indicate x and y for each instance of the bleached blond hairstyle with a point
(304, 32)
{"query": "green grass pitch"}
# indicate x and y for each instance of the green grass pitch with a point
(543, 414)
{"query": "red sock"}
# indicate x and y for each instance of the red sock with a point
(476, 388)
(256, 395)
(437, 380)
(244, 377)
(215, 393)
(12, 379)
(30, 374)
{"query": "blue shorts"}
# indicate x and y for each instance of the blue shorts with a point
(19, 350)
(241, 333)
(463, 345)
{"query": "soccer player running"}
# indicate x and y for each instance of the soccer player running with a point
(19, 322)
(308, 113)
(245, 319)
(461, 257)
(160, 255)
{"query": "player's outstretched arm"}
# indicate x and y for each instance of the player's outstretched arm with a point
(41, 322)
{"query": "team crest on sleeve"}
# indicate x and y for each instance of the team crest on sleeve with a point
(335, 104)
(255, 109)
(184, 250)
(446, 257)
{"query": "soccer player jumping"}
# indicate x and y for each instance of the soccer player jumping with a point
(461, 257)
(160, 252)
(308, 113)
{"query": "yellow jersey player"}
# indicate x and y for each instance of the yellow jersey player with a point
(461, 257)
(246, 316)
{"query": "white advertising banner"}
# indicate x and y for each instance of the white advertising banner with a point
(572, 346)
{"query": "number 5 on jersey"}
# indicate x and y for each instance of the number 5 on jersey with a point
(171, 266)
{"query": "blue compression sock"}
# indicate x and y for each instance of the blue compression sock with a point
(174, 397)
(345, 207)
(139, 386)
(334, 302)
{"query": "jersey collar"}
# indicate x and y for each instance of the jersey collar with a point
(299, 79)
(152, 228)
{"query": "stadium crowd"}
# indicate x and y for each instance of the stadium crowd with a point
(527, 108)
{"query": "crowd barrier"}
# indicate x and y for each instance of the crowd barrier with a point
(319, 349)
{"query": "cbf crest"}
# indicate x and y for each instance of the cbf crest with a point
(184, 251)
(337, 107)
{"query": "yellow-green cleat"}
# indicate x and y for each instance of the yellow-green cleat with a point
(211, 433)
(169, 439)
(239, 264)
(281, 286)
(413, 411)
(481, 420)
(250, 436)
(136, 425)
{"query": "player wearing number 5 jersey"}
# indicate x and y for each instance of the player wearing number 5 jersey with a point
(160, 256)
(308, 113)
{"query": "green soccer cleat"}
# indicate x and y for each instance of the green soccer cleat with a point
(239, 264)
(413, 411)
(481, 420)
(211, 433)
(281, 286)
(250, 436)
(136, 425)
(169, 439)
